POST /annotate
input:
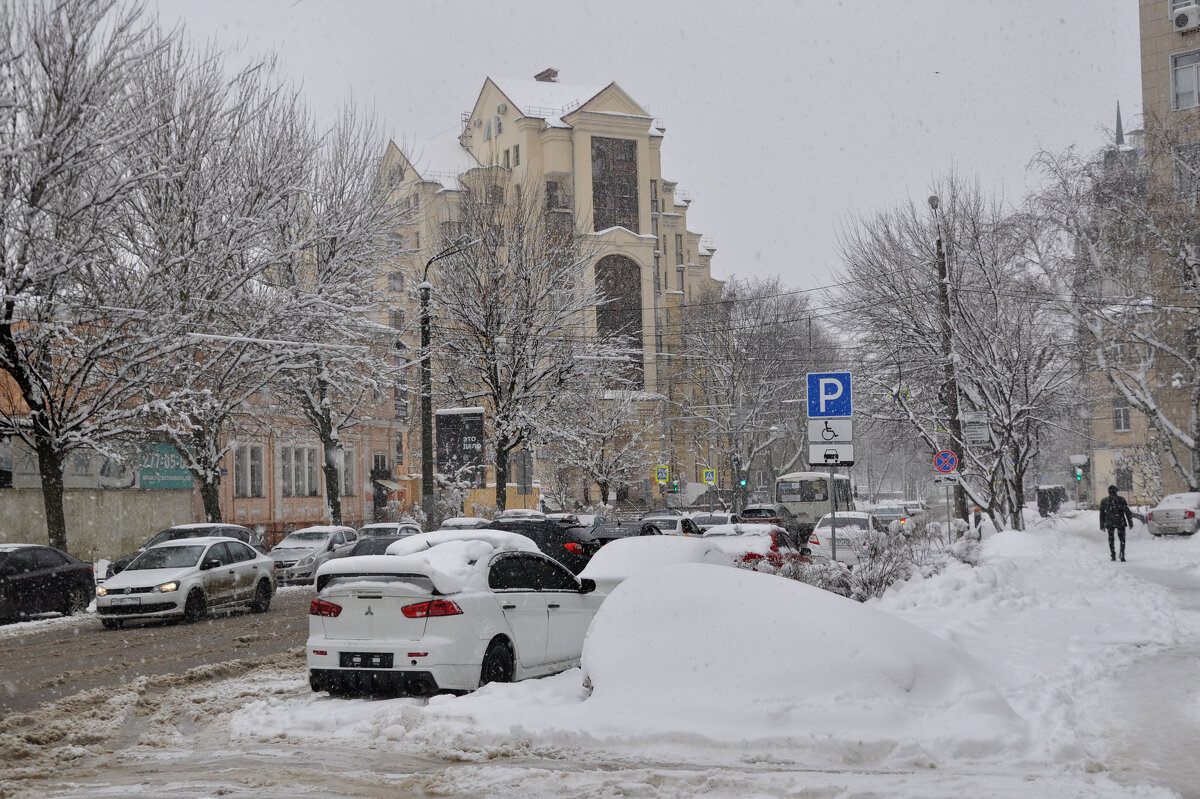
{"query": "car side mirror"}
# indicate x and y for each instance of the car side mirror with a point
(209, 563)
(587, 585)
(806, 551)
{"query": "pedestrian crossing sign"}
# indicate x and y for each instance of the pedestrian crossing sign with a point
(662, 474)
(710, 476)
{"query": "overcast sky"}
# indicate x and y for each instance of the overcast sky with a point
(785, 121)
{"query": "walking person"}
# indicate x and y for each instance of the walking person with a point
(1115, 516)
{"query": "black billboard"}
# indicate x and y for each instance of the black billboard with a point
(460, 446)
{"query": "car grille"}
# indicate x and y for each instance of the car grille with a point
(116, 591)
(284, 564)
(133, 610)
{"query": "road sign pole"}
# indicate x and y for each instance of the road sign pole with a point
(949, 537)
(833, 513)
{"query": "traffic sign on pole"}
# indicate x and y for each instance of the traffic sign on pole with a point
(949, 479)
(945, 461)
(829, 394)
(837, 431)
(710, 476)
(662, 474)
(830, 454)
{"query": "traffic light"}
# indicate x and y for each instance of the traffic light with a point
(742, 482)
(1078, 472)
(674, 489)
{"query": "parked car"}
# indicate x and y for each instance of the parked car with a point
(39, 579)
(774, 513)
(373, 545)
(671, 525)
(186, 579)
(521, 513)
(706, 520)
(623, 558)
(915, 508)
(753, 544)
(464, 523)
(199, 530)
(886, 514)
(449, 610)
(573, 547)
(1175, 514)
(299, 554)
(607, 532)
(853, 529)
(390, 528)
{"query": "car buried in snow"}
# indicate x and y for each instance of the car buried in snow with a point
(449, 611)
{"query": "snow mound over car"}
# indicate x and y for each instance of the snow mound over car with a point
(730, 653)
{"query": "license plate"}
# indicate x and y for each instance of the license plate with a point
(126, 600)
(365, 660)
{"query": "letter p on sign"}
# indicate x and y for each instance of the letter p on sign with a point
(829, 394)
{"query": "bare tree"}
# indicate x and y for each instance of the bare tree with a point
(751, 349)
(234, 153)
(72, 344)
(513, 313)
(341, 232)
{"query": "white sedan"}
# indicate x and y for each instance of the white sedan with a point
(185, 579)
(445, 611)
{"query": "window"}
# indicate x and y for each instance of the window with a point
(614, 183)
(1120, 415)
(499, 126)
(379, 462)
(299, 468)
(346, 473)
(679, 278)
(396, 319)
(760, 478)
(516, 155)
(1185, 80)
(1123, 477)
(495, 195)
(508, 573)
(548, 576)
(487, 132)
(678, 248)
(507, 162)
(248, 471)
(654, 196)
(1178, 4)
(654, 226)
(396, 281)
(1187, 172)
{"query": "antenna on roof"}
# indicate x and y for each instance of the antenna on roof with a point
(547, 76)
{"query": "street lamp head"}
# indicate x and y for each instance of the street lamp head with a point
(461, 240)
(934, 201)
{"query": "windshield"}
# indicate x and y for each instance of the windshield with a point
(167, 558)
(375, 545)
(758, 513)
(711, 520)
(175, 534)
(802, 491)
(307, 540)
(663, 523)
(843, 521)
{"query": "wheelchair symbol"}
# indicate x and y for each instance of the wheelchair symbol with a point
(828, 434)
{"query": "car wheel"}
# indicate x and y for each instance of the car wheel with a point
(262, 597)
(497, 663)
(111, 624)
(77, 601)
(195, 608)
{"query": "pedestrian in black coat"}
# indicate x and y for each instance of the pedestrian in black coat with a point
(1115, 516)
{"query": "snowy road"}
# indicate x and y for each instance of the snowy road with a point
(1096, 659)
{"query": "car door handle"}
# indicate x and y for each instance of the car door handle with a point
(552, 605)
(508, 607)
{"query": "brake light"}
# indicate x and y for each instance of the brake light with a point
(573, 548)
(320, 651)
(1150, 516)
(434, 607)
(1191, 514)
(320, 607)
(751, 556)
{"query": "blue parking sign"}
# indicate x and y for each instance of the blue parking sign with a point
(829, 394)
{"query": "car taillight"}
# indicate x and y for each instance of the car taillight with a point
(1150, 516)
(573, 548)
(434, 607)
(1191, 514)
(320, 607)
(751, 556)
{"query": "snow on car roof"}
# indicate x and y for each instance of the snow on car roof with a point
(848, 514)
(199, 525)
(739, 545)
(628, 556)
(191, 542)
(1188, 500)
(323, 528)
(741, 528)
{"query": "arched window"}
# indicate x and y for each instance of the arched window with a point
(619, 314)
(499, 126)
(487, 132)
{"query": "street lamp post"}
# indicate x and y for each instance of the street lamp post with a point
(427, 484)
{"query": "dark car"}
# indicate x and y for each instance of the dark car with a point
(374, 544)
(199, 530)
(38, 579)
(772, 513)
(572, 546)
(606, 532)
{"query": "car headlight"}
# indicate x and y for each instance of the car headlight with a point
(308, 561)
(101, 591)
(168, 587)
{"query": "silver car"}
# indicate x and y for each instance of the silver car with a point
(298, 556)
(185, 579)
(1175, 514)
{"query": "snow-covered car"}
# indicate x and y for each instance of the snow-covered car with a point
(449, 610)
(752, 544)
(707, 520)
(186, 579)
(628, 556)
(772, 513)
(607, 532)
(299, 555)
(464, 523)
(853, 529)
(198, 530)
(521, 513)
(1175, 514)
(390, 528)
(886, 514)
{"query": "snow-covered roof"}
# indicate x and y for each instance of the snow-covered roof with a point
(550, 101)
(441, 159)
